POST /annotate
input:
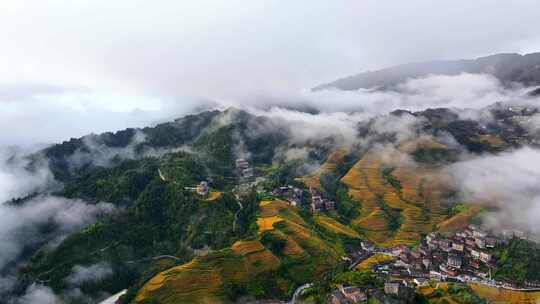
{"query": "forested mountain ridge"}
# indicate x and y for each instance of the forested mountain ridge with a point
(161, 233)
(507, 68)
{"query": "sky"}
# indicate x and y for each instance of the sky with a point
(68, 68)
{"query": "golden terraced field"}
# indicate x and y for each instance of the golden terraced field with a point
(372, 261)
(418, 200)
(335, 226)
(503, 296)
(330, 165)
(202, 280)
(491, 294)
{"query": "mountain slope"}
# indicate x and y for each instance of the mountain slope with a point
(247, 239)
(507, 68)
(288, 252)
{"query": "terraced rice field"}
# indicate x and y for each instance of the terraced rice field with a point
(292, 248)
(244, 247)
(503, 296)
(213, 196)
(335, 226)
(261, 261)
(491, 294)
(271, 208)
(269, 214)
(494, 141)
(372, 261)
(202, 280)
(267, 223)
(195, 281)
(313, 254)
(417, 202)
(459, 221)
(330, 165)
(258, 258)
(442, 300)
(424, 142)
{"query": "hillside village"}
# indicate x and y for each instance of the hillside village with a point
(185, 152)
(317, 221)
(465, 256)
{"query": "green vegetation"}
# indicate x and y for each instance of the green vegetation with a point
(273, 241)
(463, 294)
(162, 216)
(457, 293)
(294, 252)
(363, 279)
(347, 208)
(283, 174)
(457, 209)
(518, 262)
(393, 215)
(435, 155)
(389, 178)
(158, 218)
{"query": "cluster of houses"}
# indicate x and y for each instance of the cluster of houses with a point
(399, 289)
(243, 169)
(295, 196)
(466, 255)
(351, 294)
(466, 252)
(319, 202)
(292, 194)
(346, 295)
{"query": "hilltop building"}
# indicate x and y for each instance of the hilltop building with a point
(292, 194)
(392, 288)
(242, 164)
(244, 169)
(318, 202)
(367, 246)
(202, 188)
(454, 260)
(345, 295)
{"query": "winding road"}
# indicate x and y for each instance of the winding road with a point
(159, 257)
(236, 214)
(112, 299)
(299, 291)
(161, 175)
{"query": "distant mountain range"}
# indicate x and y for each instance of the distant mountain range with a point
(508, 68)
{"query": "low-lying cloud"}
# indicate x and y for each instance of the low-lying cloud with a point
(508, 181)
(88, 274)
(37, 293)
(20, 225)
(30, 116)
(15, 178)
(473, 91)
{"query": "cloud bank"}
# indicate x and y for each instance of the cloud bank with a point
(20, 225)
(16, 180)
(508, 181)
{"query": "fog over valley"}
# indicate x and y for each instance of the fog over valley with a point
(205, 152)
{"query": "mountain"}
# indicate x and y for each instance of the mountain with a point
(507, 68)
(284, 207)
(231, 206)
